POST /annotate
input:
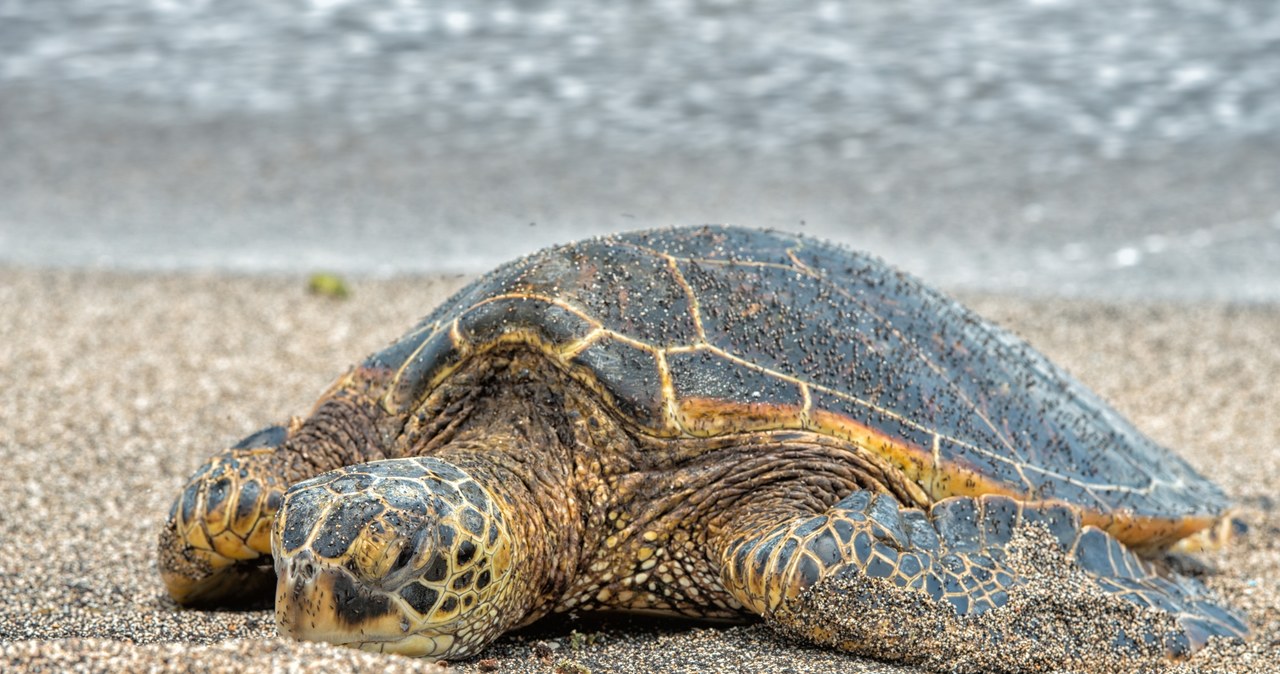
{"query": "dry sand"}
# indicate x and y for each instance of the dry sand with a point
(116, 386)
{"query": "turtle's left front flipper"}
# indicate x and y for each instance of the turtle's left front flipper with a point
(956, 557)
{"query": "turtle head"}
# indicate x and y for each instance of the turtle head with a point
(408, 556)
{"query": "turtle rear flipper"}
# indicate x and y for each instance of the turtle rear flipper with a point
(957, 556)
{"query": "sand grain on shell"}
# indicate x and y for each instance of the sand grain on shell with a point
(116, 386)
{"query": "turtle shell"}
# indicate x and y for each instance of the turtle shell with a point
(708, 331)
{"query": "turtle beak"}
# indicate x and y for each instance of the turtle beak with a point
(318, 602)
(315, 602)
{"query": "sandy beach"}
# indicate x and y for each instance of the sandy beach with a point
(117, 385)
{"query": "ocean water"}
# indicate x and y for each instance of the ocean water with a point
(1044, 146)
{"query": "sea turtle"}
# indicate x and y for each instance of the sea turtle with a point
(700, 421)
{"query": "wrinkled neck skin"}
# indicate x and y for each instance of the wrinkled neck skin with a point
(540, 528)
(341, 430)
(514, 431)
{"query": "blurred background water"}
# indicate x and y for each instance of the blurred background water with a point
(1124, 149)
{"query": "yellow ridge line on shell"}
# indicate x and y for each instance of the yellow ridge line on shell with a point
(1021, 461)
(695, 307)
(739, 263)
(940, 372)
(394, 384)
(937, 460)
(577, 346)
(805, 420)
(670, 407)
(526, 336)
(791, 253)
(801, 268)
(395, 379)
(802, 383)
(703, 260)
(456, 338)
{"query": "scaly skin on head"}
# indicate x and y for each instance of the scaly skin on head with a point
(412, 556)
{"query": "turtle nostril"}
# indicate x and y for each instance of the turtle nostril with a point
(305, 570)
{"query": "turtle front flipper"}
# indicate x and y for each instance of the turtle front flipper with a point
(219, 526)
(890, 566)
(215, 547)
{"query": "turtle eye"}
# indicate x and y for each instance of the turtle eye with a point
(402, 560)
(399, 568)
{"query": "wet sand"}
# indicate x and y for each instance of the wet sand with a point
(116, 386)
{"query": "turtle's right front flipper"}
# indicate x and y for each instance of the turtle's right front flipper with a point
(215, 548)
(213, 545)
